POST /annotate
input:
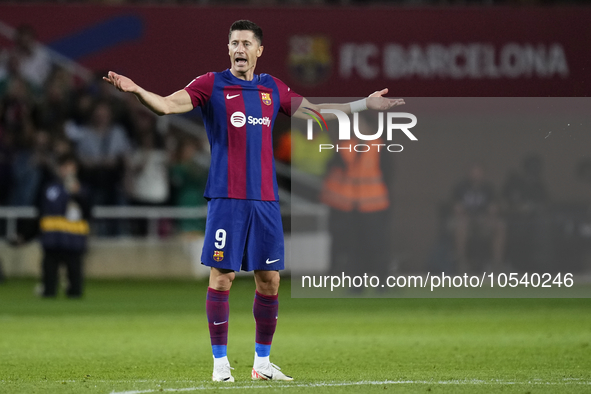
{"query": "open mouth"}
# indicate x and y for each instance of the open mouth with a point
(240, 61)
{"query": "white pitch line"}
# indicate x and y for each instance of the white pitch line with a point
(285, 385)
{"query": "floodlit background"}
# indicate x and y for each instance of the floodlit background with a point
(141, 325)
(146, 187)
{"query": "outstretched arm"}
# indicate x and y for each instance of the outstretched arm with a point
(375, 101)
(176, 103)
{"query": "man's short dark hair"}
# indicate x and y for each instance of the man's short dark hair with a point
(244, 24)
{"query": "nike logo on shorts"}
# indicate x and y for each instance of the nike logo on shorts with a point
(272, 261)
(231, 97)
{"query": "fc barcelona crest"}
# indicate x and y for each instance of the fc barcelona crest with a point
(218, 255)
(266, 98)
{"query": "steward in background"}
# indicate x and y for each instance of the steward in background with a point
(64, 210)
(356, 192)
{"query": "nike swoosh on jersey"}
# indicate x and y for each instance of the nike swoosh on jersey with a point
(272, 261)
(215, 323)
(231, 97)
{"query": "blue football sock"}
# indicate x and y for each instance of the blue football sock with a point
(262, 350)
(219, 350)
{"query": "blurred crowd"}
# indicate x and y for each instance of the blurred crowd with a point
(510, 224)
(125, 156)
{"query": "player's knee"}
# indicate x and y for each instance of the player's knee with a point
(274, 283)
(221, 281)
(268, 282)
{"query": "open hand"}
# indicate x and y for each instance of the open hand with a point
(376, 102)
(121, 82)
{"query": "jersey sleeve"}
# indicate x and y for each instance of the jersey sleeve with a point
(285, 96)
(200, 89)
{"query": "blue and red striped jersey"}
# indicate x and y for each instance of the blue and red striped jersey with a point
(239, 117)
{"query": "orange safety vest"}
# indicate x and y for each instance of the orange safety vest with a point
(359, 185)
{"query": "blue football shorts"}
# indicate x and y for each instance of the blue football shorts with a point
(243, 234)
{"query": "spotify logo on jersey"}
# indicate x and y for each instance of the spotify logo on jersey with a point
(238, 119)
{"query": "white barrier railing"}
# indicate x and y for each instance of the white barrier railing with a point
(12, 214)
(152, 214)
(298, 207)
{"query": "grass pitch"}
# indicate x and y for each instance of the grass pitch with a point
(151, 336)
